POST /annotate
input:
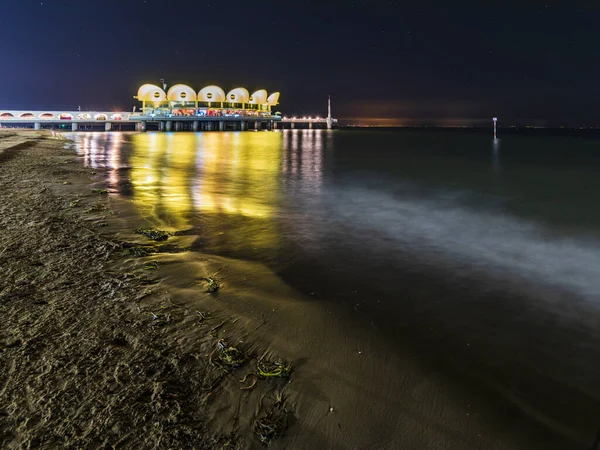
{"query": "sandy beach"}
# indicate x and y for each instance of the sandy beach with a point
(111, 339)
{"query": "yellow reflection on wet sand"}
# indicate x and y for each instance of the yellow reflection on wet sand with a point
(161, 176)
(233, 174)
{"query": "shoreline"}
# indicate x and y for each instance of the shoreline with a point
(142, 353)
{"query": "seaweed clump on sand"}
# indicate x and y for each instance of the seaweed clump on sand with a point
(212, 284)
(150, 233)
(272, 423)
(277, 368)
(152, 265)
(100, 191)
(229, 355)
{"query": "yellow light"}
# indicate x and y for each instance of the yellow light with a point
(215, 173)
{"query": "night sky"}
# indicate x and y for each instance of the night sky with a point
(442, 62)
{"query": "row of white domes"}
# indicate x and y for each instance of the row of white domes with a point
(183, 93)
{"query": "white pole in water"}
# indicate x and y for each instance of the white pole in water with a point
(495, 120)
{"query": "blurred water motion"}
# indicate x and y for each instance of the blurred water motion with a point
(414, 201)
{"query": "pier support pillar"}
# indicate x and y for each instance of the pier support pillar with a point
(293, 125)
(329, 123)
(37, 126)
(310, 125)
(177, 126)
(257, 125)
(221, 125)
(270, 125)
(169, 125)
(275, 125)
(210, 126)
(143, 126)
(243, 125)
(195, 125)
(161, 126)
(107, 126)
(74, 126)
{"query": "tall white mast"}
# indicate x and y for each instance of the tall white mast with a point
(329, 120)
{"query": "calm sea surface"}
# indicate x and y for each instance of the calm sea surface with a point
(483, 256)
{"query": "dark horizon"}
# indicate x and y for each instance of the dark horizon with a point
(531, 65)
(406, 122)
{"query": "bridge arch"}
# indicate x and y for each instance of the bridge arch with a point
(151, 93)
(258, 98)
(6, 115)
(273, 99)
(211, 94)
(100, 117)
(26, 115)
(181, 93)
(238, 95)
(46, 116)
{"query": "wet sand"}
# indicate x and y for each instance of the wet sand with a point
(99, 348)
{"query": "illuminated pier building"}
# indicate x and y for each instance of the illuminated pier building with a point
(182, 108)
(182, 100)
(178, 108)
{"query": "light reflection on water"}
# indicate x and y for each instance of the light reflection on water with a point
(302, 195)
(225, 183)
